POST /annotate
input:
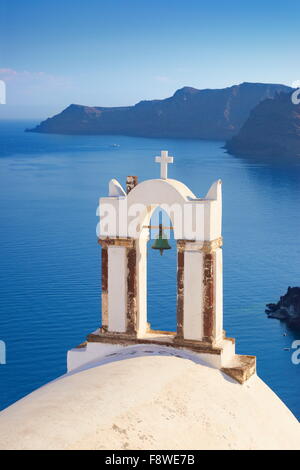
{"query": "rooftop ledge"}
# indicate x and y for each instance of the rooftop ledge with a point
(240, 367)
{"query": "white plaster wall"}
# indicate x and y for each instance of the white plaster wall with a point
(193, 295)
(117, 288)
(228, 353)
(79, 357)
(112, 212)
(83, 358)
(122, 216)
(219, 295)
(142, 286)
(159, 191)
(214, 219)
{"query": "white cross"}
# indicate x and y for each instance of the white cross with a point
(164, 160)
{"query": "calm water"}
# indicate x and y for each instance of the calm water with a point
(50, 261)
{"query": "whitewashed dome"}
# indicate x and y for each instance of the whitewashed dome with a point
(150, 402)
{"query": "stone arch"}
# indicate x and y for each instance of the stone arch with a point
(171, 195)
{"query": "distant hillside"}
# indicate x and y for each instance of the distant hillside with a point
(272, 130)
(189, 113)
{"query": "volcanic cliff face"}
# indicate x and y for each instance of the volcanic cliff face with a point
(272, 130)
(288, 308)
(189, 113)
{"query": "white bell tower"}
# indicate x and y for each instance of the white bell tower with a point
(124, 233)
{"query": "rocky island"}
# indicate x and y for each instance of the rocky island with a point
(272, 130)
(288, 308)
(190, 113)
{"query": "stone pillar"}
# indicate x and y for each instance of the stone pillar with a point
(131, 327)
(199, 291)
(213, 291)
(208, 296)
(141, 253)
(119, 285)
(180, 289)
(104, 276)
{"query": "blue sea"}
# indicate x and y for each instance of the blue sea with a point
(50, 261)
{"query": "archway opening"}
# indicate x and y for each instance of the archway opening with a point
(161, 275)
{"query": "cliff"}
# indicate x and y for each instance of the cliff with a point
(288, 308)
(189, 113)
(272, 130)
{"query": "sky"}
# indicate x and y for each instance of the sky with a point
(118, 52)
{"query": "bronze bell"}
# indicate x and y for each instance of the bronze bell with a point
(161, 243)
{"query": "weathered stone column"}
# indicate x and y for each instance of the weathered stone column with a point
(213, 291)
(180, 288)
(199, 291)
(141, 277)
(119, 285)
(208, 296)
(131, 255)
(104, 276)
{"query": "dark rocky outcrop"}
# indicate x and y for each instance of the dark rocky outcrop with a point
(288, 308)
(189, 113)
(272, 130)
